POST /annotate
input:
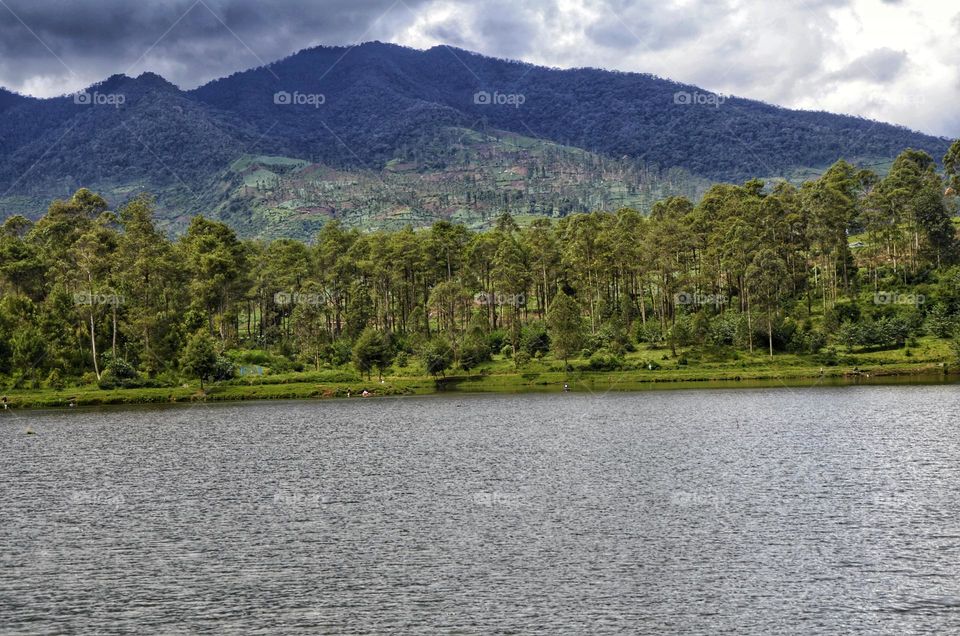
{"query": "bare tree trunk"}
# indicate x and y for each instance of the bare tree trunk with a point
(114, 348)
(770, 333)
(643, 309)
(93, 344)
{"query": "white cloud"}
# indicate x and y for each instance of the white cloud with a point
(892, 61)
(896, 61)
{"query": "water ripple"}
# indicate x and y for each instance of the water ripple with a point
(808, 511)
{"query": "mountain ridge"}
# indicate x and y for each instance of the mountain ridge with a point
(360, 108)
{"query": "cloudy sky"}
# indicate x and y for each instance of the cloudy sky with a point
(893, 60)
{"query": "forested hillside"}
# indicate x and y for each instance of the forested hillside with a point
(361, 113)
(460, 175)
(381, 96)
(847, 263)
(8, 100)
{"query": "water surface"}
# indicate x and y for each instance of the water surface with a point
(804, 510)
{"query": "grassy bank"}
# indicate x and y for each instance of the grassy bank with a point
(926, 362)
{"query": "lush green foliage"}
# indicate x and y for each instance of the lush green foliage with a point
(847, 263)
(382, 97)
(200, 357)
(400, 138)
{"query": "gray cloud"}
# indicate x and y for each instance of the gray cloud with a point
(510, 28)
(810, 54)
(653, 26)
(879, 66)
(189, 41)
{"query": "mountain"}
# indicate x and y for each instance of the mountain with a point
(460, 174)
(378, 95)
(156, 136)
(9, 100)
(380, 135)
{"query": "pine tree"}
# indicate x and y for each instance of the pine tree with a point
(565, 326)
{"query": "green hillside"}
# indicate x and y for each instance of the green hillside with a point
(461, 175)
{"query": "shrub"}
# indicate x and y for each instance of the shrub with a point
(726, 329)
(940, 323)
(827, 358)
(682, 330)
(329, 375)
(783, 332)
(604, 361)
(522, 359)
(496, 339)
(280, 364)
(609, 336)
(649, 333)
(55, 380)
(842, 311)
(887, 331)
(890, 332)
(339, 353)
(474, 351)
(252, 356)
(372, 350)
(437, 356)
(806, 340)
(224, 369)
(955, 346)
(534, 339)
(848, 334)
(701, 327)
(119, 374)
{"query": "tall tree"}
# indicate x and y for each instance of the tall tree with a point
(565, 326)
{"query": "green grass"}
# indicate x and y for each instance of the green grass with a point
(927, 362)
(93, 396)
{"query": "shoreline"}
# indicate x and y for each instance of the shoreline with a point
(507, 383)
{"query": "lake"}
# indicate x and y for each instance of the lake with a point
(813, 510)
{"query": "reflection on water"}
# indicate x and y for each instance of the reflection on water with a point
(803, 510)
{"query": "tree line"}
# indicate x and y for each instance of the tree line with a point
(95, 295)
